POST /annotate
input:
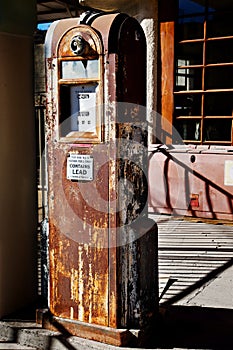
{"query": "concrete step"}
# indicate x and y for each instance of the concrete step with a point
(14, 346)
(32, 336)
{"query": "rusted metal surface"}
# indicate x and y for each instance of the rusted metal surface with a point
(191, 181)
(78, 254)
(93, 45)
(112, 336)
(99, 233)
(137, 266)
(78, 257)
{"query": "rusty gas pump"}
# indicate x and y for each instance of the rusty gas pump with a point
(102, 247)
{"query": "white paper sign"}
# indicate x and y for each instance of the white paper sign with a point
(83, 108)
(80, 167)
(228, 173)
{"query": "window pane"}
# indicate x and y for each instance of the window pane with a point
(79, 70)
(191, 28)
(190, 7)
(189, 129)
(219, 77)
(219, 104)
(219, 51)
(217, 129)
(188, 78)
(188, 105)
(192, 53)
(77, 108)
(191, 19)
(223, 5)
(219, 25)
(220, 19)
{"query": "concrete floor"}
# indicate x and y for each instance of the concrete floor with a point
(197, 258)
(198, 307)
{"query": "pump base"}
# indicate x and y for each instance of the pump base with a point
(107, 335)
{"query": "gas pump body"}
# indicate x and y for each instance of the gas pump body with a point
(96, 90)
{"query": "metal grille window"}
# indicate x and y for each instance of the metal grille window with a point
(203, 85)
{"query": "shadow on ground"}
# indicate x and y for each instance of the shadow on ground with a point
(193, 328)
(179, 327)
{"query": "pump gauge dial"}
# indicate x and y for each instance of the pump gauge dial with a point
(78, 44)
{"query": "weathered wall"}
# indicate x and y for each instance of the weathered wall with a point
(17, 156)
(146, 12)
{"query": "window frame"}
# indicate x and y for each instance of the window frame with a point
(169, 69)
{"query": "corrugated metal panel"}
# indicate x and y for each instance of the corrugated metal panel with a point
(191, 254)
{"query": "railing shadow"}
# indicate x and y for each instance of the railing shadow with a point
(210, 276)
(188, 170)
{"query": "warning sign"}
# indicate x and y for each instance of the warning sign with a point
(80, 167)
